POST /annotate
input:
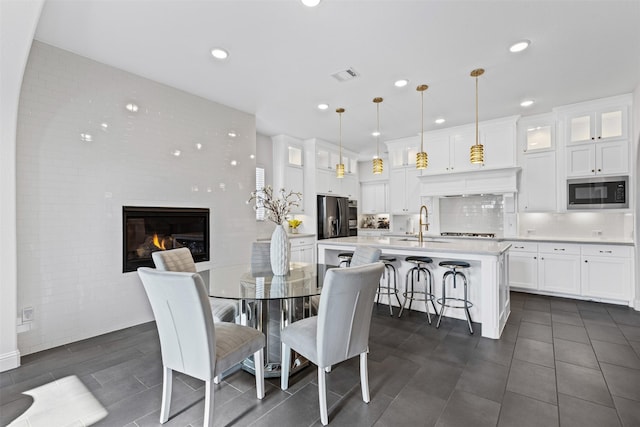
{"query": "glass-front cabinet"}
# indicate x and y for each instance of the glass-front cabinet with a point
(608, 123)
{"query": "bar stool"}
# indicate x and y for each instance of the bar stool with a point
(345, 258)
(453, 267)
(420, 266)
(389, 271)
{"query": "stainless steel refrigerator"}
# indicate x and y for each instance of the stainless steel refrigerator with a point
(333, 217)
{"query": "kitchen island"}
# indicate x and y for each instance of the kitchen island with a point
(488, 276)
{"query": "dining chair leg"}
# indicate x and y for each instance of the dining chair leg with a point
(284, 366)
(322, 396)
(364, 377)
(208, 404)
(258, 362)
(167, 384)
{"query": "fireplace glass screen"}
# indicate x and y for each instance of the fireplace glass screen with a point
(150, 229)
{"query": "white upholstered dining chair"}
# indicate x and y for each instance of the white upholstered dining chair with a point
(180, 259)
(361, 255)
(190, 341)
(340, 331)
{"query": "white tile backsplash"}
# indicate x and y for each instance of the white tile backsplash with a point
(70, 193)
(472, 214)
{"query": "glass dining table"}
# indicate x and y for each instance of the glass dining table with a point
(268, 302)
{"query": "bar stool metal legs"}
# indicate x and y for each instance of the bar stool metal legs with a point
(445, 301)
(410, 292)
(345, 259)
(389, 272)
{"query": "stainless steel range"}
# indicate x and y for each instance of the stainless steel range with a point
(453, 234)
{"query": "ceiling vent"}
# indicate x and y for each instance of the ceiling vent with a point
(345, 75)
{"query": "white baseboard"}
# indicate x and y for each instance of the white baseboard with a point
(9, 360)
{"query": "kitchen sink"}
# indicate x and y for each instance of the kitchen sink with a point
(424, 239)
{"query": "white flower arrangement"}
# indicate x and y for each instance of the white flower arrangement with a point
(276, 208)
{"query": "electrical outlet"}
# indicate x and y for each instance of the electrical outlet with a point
(27, 314)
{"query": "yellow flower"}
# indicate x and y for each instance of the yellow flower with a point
(294, 223)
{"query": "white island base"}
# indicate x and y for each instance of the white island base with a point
(488, 277)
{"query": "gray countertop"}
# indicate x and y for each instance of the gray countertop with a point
(541, 239)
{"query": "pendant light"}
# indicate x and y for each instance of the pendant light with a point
(422, 159)
(340, 165)
(476, 155)
(377, 161)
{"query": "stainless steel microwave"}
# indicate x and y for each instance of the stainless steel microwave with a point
(610, 192)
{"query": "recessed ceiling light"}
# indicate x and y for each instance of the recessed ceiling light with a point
(519, 46)
(323, 106)
(527, 103)
(177, 153)
(440, 121)
(310, 3)
(252, 156)
(198, 146)
(375, 133)
(234, 163)
(104, 126)
(401, 83)
(86, 137)
(132, 107)
(232, 134)
(219, 53)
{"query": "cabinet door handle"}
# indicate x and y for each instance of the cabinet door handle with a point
(599, 170)
(558, 249)
(599, 137)
(586, 260)
(518, 247)
(535, 257)
(593, 138)
(605, 252)
(593, 170)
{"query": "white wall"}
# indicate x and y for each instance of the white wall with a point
(635, 143)
(71, 193)
(18, 20)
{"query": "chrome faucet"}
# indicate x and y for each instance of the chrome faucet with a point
(425, 224)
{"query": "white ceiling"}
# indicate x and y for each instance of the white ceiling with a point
(282, 55)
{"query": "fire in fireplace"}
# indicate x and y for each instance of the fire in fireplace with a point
(150, 229)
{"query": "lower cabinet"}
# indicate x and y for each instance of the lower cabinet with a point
(590, 271)
(303, 249)
(606, 272)
(523, 265)
(559, 268)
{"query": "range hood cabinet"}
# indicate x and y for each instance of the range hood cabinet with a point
(486, 181)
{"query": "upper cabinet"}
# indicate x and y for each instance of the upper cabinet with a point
(596, 136)
(448, 149)
(537, 133)
(404, 190)
(327, 156)
(288, 167)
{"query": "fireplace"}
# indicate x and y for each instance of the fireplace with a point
(150, 229)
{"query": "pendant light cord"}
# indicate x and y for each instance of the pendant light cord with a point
(476, 110)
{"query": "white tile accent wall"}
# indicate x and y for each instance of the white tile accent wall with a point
(71, 193)
(475, 214)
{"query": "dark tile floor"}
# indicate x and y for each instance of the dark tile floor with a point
(559, 362)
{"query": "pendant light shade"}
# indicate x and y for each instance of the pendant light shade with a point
(476, 155)
(422, 159)
(377, 161)
(340, 165)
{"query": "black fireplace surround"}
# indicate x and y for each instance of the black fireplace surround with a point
(150, 229)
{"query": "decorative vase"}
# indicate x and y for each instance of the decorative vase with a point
(279, 251)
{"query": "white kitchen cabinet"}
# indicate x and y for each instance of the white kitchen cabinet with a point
(294, 181)
(404, 190)
(402, 152)
(523, 265)
(302, 249)
(606, 272)
(537, 133)
(538, 184)
(597, 123)
(600, 158)
(374, 198)
(349, 187)
(559, 268)
(449, 149)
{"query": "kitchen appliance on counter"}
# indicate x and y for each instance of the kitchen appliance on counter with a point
(598, 193)
(333, 217)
